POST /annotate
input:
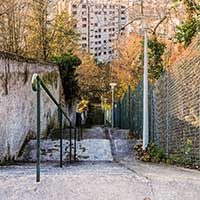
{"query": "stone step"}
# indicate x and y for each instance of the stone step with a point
(87, 150)
(55, 133)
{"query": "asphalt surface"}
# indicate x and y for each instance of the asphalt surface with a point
(123, 179)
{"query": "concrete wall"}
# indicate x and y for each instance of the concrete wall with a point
(18, 101)
(177, 105)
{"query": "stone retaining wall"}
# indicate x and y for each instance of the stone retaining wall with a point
(18, 102)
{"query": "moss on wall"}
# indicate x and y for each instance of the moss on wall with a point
(50, 78)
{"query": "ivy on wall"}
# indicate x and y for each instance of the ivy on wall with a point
(186, 31)
(156, 51)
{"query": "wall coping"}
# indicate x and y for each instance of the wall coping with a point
(12, 56)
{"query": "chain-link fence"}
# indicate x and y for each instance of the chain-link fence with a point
(174, 107)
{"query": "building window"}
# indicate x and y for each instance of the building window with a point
(84, 25)
(84, 6)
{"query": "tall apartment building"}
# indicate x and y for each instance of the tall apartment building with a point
(99, 25)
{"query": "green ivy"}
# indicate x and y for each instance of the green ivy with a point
(191, 26)
(156, 51)
(67, 64)
(186, 31)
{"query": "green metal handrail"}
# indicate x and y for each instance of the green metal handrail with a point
(36, 86)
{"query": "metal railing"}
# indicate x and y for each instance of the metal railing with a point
(128, 112)
(37, 84)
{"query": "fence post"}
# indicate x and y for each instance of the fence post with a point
(129, 106)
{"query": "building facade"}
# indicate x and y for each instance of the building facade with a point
(99, 25)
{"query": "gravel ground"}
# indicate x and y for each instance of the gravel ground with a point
(124, 179)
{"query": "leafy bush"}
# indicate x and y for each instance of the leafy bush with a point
(153, 153)
(156, 152)
(67, 65)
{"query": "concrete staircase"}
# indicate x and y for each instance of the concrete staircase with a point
(93, 147)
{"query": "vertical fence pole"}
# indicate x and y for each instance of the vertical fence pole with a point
(61, 135)
(113, 107)
(38, 132)
(129, 107)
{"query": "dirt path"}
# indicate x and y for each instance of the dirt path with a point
(123, 179)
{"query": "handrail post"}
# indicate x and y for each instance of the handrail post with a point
(37, 84)
(81, 132)
(38, 132)
(70, 143)
(75, 144)
(61, 136)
